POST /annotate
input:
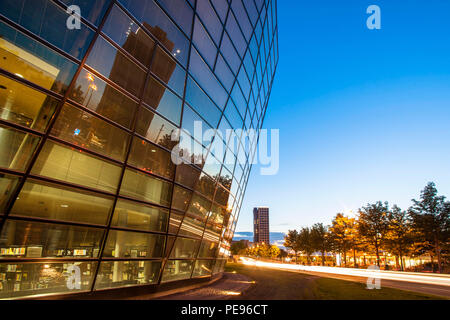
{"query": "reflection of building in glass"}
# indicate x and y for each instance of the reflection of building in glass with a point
(89, 196)
(261, 225)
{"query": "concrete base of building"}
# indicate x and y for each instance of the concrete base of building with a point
(145, 292)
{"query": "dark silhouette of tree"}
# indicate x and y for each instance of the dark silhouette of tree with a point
(399, 237)
(373, 225)
(431, 220)
(320, 239)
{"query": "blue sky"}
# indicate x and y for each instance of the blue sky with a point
(364, 115)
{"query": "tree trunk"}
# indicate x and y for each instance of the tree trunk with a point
(438, 253)
(396, 262)
(432, 263)
(354, 258)
(378, 254)
(401, 263)
(323, 258)
(345, 258)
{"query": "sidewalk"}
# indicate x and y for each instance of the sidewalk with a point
(231, 285)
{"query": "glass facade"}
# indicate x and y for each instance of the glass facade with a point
(90, 198)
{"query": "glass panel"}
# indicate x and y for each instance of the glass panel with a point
(180, 11)
(187, 175)
(129, 36)
(199, 206)
(202, 103)
(114, 274)
(47, 20)
(206, 186)
(22, 239)
(92, 11)
(49, 201)
(85, 130)
(144, 187)
(177, 270)
(221, 7)
(230, 54)
(20, 148)
(209, 19)
(156, 21)
(71, 165)
(203, 268)
(224, 73)
(163, 100)
(184, 248)
(181, 198)
(168, 71)
(111, 63)
(97, 95)
(22, 105)
(30, 60)
(175, 221)
(207, 80)
(155, 128)
(208, 249)
(192, 226)
(138, 216)
(122, 244)
(241, 17)
(8, 184)
(204, 44)
(30, 279)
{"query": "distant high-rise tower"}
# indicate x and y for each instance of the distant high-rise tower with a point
(261, 225)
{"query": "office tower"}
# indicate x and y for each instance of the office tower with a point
(261, 225)
(90, 197)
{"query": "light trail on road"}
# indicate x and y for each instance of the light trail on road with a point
(433, 279)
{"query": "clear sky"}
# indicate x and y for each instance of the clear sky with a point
(364, 115)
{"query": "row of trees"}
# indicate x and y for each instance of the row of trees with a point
(423, 229)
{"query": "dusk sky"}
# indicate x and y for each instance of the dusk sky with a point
(363, 114)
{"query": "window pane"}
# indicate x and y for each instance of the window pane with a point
(49, 201)
(202, 103)
(123, 244)
(97, 95)
(22, 105)
(177, 270)
(180, 11)
(206, 186)
(85, 130)
(192, 226)
(21, 239)
(144, 187)
(181, 198)
(155, 128)
(111, 63)
(208, 249)
(168, 71)
(204, 44)
(45, 19)
(7, 185)
(184, 248)
(68, 164)
(30, 279)
(174, 222)
(129, 36)
(138, 216)
(127, 273)
(20, 148)
(33, 61)
(203, 268)
(209, 19)
(187, 175)
(163, 100)
(90, 10)
(156, 21)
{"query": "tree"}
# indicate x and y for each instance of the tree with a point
(339, 232)
(320, 239)
(305, 243)
(431, 219)
(291, 242)
(373, 225)
(238, 247)
(353, 237)
(399, 236)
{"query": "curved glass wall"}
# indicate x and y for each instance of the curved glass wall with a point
(90, 195)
